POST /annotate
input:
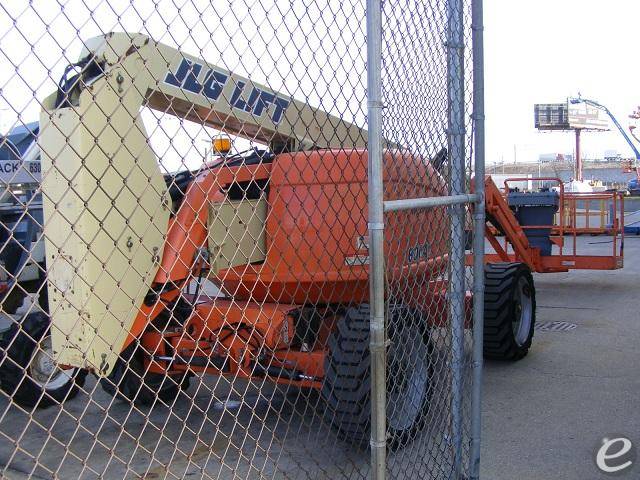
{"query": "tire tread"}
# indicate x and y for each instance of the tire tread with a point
(500, 283)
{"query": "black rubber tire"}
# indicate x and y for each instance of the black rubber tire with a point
(347, 383)
(129, 382)
(19, 344)
(501, 310)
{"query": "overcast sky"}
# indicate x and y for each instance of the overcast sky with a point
(545, 50)
(536, 52)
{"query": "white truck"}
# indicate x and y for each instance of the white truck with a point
(21, 247)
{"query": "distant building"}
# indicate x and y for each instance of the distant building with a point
(612, 155)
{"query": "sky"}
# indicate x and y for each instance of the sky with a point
(312, 50)
(543, 51)
(538, 51)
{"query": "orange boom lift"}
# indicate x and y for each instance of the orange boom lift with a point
(282, 233)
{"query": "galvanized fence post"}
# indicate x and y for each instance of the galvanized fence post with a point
(478, 235)
(376, 238)
(456, 140)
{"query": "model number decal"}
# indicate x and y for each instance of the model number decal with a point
(189, 77)
(418, 252)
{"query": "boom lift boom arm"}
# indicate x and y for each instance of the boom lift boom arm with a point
(106, 201)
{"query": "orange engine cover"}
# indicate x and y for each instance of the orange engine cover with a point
(316, 230)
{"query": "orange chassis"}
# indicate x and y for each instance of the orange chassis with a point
(250, 332)
(317, 202)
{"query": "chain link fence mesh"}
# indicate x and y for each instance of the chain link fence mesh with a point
(427, 87)
(184, 239)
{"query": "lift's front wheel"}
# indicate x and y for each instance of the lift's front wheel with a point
(347, 382)
(509, 311)
(131, 382)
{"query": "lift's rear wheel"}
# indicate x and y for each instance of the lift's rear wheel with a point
(130, 381)
(347, 382)
(509, 311)
(28, 373)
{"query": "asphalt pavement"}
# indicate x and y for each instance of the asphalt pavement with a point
(545, 416)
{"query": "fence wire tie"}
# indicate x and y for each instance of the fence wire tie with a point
(375, 444)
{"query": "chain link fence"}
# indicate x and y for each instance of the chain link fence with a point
(195, 197)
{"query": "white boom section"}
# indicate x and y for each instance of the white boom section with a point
(186, 86)
(105, 200)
